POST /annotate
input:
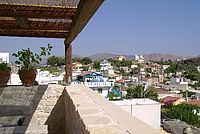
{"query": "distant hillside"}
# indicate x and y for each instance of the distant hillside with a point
(101, 56)
(148, 57)
(164, 57)
(76, 56)
(191, 61)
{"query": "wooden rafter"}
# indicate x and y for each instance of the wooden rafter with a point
(34, 33)
(22, 22)
(85, 11)
(34, 25)
(48, 21)
(37, 11)
(30, 19)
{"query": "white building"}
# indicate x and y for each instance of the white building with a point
(142, 71)
(198, 68)
(134, 66)
(106, 68)
(179, 83)
(4, 57)
(76, 69)
(165, 67)
(96, 81)
(121, 58)
(14, 79)
(145, 109)
(45, 77)
(42, 77)
(139, 58)
(197, 93)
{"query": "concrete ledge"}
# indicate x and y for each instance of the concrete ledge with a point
(100, 116)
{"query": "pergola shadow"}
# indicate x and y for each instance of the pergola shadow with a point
(18, 104)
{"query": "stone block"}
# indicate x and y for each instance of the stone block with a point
(89, 111)
(96, 120)
(47, 109)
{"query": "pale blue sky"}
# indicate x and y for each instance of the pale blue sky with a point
(130, 27)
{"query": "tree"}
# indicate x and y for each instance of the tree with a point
(135, 71)
(126, 62)
(152, 94)
(138, 92)
(55, 61)
(110, 60)
(85, 68)
(86, 60)
(76, 59)
(189, 67)
(197, 85)
(185, 112)
(122, 72)
(135, 92)
(97, 65)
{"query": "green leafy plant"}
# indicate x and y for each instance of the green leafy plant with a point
(4, 67)
(184, 112)
(28, 59)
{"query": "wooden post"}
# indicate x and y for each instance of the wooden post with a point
(68, 63)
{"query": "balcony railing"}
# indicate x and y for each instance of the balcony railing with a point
(94, 84)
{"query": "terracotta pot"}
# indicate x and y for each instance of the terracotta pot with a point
(4, 77)
(27, 77)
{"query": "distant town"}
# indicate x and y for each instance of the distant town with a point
(168, 89)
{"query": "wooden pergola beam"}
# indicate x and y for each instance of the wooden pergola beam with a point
(68, 63)
(37, 11)
(34, 33)
(85, 11)
(34, 25)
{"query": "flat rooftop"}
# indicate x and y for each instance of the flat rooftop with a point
(141, 101)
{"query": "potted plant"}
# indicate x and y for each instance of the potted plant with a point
(5, 72)
(28, 61)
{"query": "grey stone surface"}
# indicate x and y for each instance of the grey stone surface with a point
(179, 127)
(9, 121)
(17, 106)
(74, 110)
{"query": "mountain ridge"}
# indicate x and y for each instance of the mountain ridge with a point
(148, 57)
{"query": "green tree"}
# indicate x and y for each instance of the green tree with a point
(126, 62)
(135, 92)
(189, 67)
(138, 92)
(110, 60)
(152, 94)
(52, 70)
(96, 65)
(55, 61)
(76, 59)
(85, 68)
(135, 71)
(184, 112)
(197, 85)
(86, 60)
(121, 71)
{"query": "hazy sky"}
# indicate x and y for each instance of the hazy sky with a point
(130, 27)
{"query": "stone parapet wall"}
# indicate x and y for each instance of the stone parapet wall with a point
(74, 109)
(94, 114)
(17, 105)
(50, 111)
